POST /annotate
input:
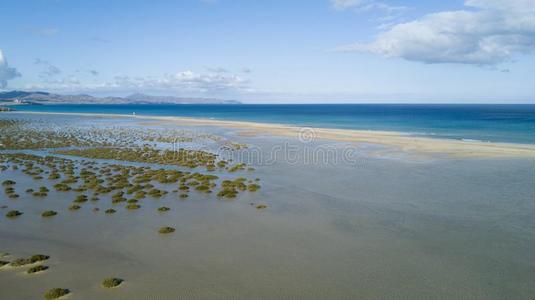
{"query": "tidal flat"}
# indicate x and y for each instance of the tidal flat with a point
(385, 224)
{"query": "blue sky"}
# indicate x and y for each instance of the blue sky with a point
(329, 51)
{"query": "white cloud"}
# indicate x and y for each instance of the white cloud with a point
(6, 72)
(49, 70)
(369, 5)
(217, 70)
(46, 32)
(343, 4)
(383, 12)
(183, 82)
(187, 81)
(490, 32)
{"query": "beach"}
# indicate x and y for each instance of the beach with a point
(397, 140)
(403, 217)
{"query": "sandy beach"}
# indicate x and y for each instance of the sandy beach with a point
(396, 140)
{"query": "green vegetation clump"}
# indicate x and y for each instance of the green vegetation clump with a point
(133, 206)
(3, 263)
(181, 157)
(39, 257)
(163, 209)
(54, 176)
(261, 206)
(110, 211)
(253, 187)
(111, 282)
(56, 293)
(156, 193)
(80, 199)
(203, 188)
(8, 183)
(74, 207)
(39, 194)
(37, 269)
(227, 193)
(237, 167)
(62, 187)
(13, 214)
(48, 213)
(140, 194)
(231, 188)
(27, 261)
(165, 230)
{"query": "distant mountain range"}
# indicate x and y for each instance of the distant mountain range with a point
(38, 98)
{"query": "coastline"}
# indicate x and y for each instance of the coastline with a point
(397, 140)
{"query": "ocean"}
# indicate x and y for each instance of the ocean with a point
(493, 123)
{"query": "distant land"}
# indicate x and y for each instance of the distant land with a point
(40, 98)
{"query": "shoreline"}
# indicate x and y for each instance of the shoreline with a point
(397, 140)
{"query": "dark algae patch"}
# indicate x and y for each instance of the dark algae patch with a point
(166, 230)
(28, 261)
(13, 214)
(48, 214)
(110, 211)
(37, 269)
(56, 293)
(111, 282)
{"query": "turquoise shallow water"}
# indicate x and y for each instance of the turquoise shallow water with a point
(495, 123)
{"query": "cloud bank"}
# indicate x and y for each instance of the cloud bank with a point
(6, 72)
(186, 80)
(486, 32)
(343, 4)
(49, 70)
(183, 82)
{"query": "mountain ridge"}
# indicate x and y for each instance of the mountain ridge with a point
(40, 97)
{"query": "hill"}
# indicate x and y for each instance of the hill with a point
(36, 98)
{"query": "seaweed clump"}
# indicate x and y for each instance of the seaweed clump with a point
(8, 182)
(111, 282)
(56, 293)
(74, 207)
(48, 213)
(37, 269)
(13, 214)
(163, 209)
(28, 261)
(110, 211)
(133, 206)
(165, 230)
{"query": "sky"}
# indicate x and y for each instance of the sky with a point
(278, 51)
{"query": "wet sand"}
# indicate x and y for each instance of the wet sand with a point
(397, 140)
(380, 228)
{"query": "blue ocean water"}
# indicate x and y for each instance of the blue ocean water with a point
(496, 123)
